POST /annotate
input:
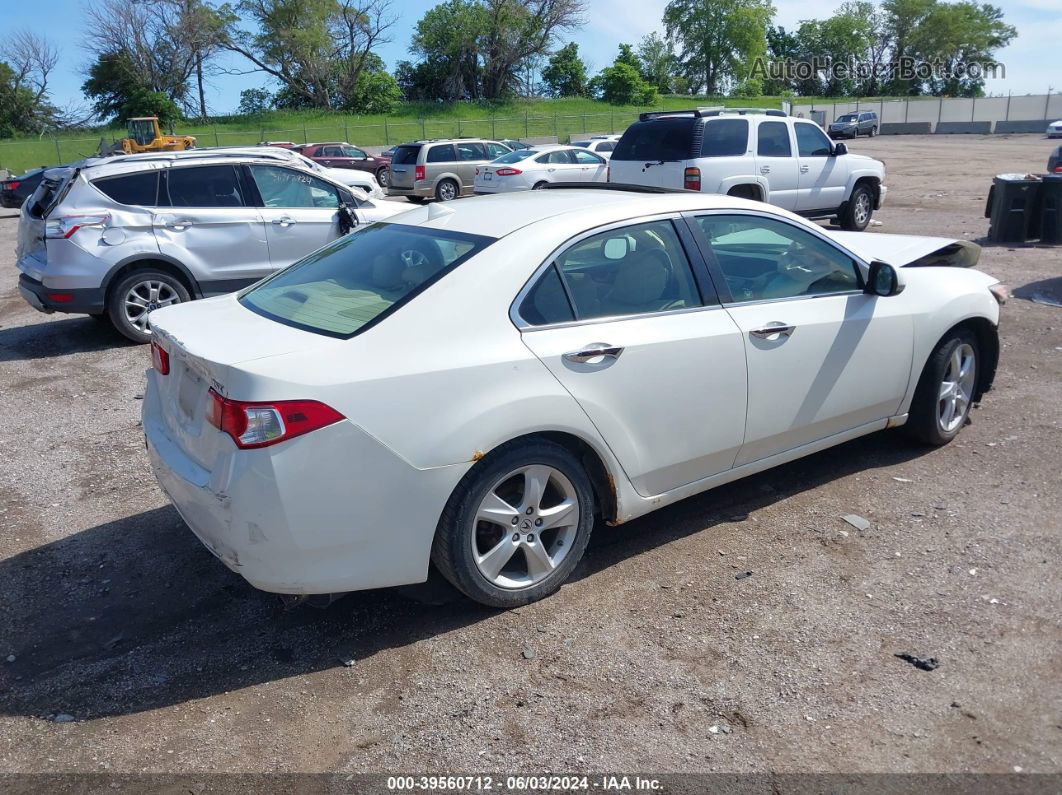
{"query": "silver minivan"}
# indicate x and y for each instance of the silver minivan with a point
(440, 169)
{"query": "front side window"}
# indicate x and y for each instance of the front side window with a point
(353, 151)
(587, 158)
(204, 186)
(471, 151)
(811, 141)
(725, 138)
(442, 154)
(763, 259)
(773, 139)
(358, 280)
(286, 187)
(628, 271)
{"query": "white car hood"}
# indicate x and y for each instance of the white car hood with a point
(910, 250)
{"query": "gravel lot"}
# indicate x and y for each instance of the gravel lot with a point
(654, 659)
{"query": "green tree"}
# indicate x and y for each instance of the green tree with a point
(956, 35)
(658, 62)
(718, 40)
(254, 101)
(628, 56)
(620, 84)
(118, 91)
(565, 75)
(16, 104)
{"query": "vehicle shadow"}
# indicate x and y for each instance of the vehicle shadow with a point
(74, 334)
(135, 614)
(1045, 291)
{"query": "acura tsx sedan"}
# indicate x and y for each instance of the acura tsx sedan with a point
(471, 385)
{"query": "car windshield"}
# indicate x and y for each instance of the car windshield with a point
(515, 157)
(657, 140)
(847, 117)
(358, 280)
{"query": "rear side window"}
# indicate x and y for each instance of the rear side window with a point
(136, 189)
(605, 146)
(358, 280)
(773, 139)
(405, 155)
(442, 154)
(657, 139)
(471, 151)
(203, 186)
(725, 138)
(556, 156)
(547, 302)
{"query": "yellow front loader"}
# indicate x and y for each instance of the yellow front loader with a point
(145, 135)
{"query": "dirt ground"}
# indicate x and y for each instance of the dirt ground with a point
(654, 659)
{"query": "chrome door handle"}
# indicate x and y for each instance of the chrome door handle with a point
(765, 169)
(773, 329)
(285, 220)
(595, 350)
(803, 169)
(178, 225)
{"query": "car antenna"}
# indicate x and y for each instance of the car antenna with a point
(438, 210)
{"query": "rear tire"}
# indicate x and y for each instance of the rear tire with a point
(873, 131)
(945, 391)
(447, 190)
(858, 211)
(383, 177)
(517, 524)
(538, 185)
(131, 300)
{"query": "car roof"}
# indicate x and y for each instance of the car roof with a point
(125, 163)
(500, 214)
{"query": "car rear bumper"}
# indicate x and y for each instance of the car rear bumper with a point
(86, 301)
(328, 512)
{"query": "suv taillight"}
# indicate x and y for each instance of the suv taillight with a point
(253, 425)
(418, 173)
(160, 360)
(691, 179)
(10, 185)
(66, 225)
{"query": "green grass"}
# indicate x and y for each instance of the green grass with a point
(516, 119)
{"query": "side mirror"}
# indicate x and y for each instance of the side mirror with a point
(884, 280)
(839, 149)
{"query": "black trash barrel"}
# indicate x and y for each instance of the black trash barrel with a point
(1014, 199)
(1051, 209)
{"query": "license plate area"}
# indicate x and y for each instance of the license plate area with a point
(190, 392)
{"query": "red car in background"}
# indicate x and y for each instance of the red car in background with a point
(343, 155)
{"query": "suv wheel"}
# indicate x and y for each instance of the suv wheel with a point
(139, 293)
(383, 176)
(517, 525)
(447, 190)
(860, 207)
(873, 131)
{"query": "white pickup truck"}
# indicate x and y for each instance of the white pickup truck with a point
(763, 155)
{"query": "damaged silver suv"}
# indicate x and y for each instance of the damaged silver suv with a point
(117, 238)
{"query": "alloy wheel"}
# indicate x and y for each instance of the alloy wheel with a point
(861, 214)
(956, 388)
(525, 526)
(447, 191)
(145, 297)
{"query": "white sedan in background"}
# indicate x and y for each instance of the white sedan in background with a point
(530, 169)
(603, 145)
(1054, 129)
(473, 385)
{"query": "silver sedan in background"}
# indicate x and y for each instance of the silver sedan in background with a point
(530, 169)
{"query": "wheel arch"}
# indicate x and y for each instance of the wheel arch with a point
(987, 335)
(157, 261)
(873, 181)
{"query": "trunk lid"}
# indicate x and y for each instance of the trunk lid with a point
(910, 251)
(206, 341)
(654, 152)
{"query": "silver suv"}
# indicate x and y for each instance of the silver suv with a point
(440, 169)
(118, 237)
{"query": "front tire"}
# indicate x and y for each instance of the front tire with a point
(858, 211)
(873, 131)
(132, 299)
(945, 390)
(383, 176)
(516, 526)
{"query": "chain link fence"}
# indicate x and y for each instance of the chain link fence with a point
(18, 156)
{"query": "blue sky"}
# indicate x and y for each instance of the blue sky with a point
(1032, 60)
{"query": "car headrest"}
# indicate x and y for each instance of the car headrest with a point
(387, 271)
(641, 278)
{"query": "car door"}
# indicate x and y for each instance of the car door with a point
(620, 319)
(560, 166)
(357, 158)
(470, 154)
(588, 166)
(300, 211)
(775, 161)
(823, 356)
(207, 223)
(823, 177)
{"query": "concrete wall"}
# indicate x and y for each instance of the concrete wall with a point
(953, 115)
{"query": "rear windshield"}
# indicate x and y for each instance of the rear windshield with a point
(405, 155)
(515, 157)
(358, 280)
(657, 139)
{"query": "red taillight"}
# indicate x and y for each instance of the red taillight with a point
(507, 172)
(60, 298)
(253, 425)
(1058, 169)
(11, 185)
(418, 172)
(691, 179)
(160, 360)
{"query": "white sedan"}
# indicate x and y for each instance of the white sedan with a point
(1054, 129)
(534, 168)
(603, 145)
(474, 385)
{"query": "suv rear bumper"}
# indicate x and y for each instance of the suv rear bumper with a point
(85, 300)
(425, 192)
